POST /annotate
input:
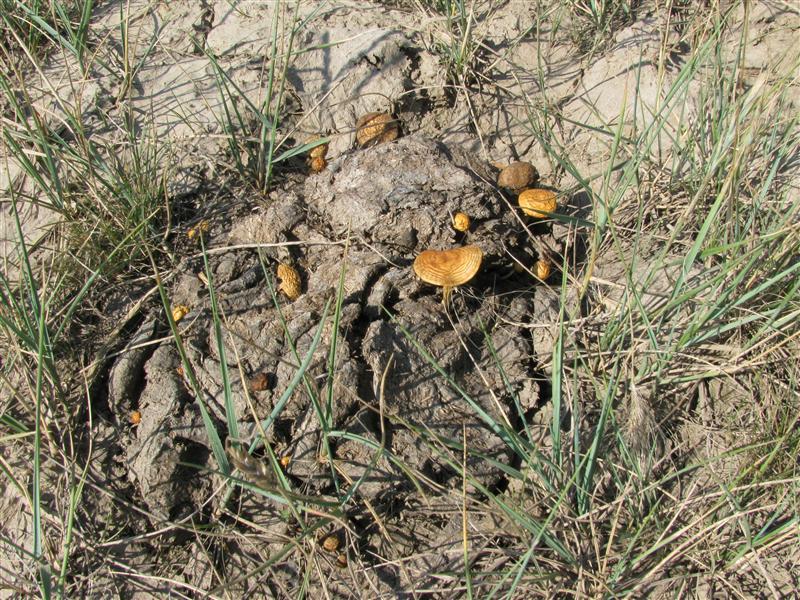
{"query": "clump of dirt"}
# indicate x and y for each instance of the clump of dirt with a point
(363, 220)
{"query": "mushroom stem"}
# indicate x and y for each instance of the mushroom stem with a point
(446, 295)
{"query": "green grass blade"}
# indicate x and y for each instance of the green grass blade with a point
(216, 318)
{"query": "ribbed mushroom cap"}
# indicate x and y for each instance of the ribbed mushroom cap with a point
(290, 281)
(537, 202)
(448, 268)
(376, 128)
(542, 269)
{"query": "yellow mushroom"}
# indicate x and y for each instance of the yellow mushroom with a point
(376, 128)
(317, 163)
(316, 156)
(461, 222)
(290, 281)
(537, 203)
(542, 269)
(179, 311)
(320, 151)
(197, 230)
(448, 268)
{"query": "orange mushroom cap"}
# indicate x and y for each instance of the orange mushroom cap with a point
(448, 268)
(537, 202)
(376, 128)
(542, 269)
(461, 222)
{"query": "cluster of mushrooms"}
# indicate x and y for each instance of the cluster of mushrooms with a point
(371, 129)
(451, 268)
(444, 268)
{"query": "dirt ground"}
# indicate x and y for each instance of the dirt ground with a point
(158, 516)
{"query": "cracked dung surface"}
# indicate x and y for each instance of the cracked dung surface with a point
(393, 201)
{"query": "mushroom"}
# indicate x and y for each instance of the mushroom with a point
(331, 543)
(258, 382)
(290, 281)
(448, 268)
(376, 128)
(461, 222)
(517, 176)
(316, 156)
(179, 311)
(317, 163)
(319, 151)
(542, 269)
(537, 202)
(198, 230)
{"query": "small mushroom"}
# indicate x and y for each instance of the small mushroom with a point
(320, 151)
(317, 163)
(290, 281)
(461, 222)
(258, 382)
(179, 311)
(330, 543)
(316, 156)
(448, 268)
(537, 203)
(197, 230)
(517, 176)
(542, 269)
(376, 128)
